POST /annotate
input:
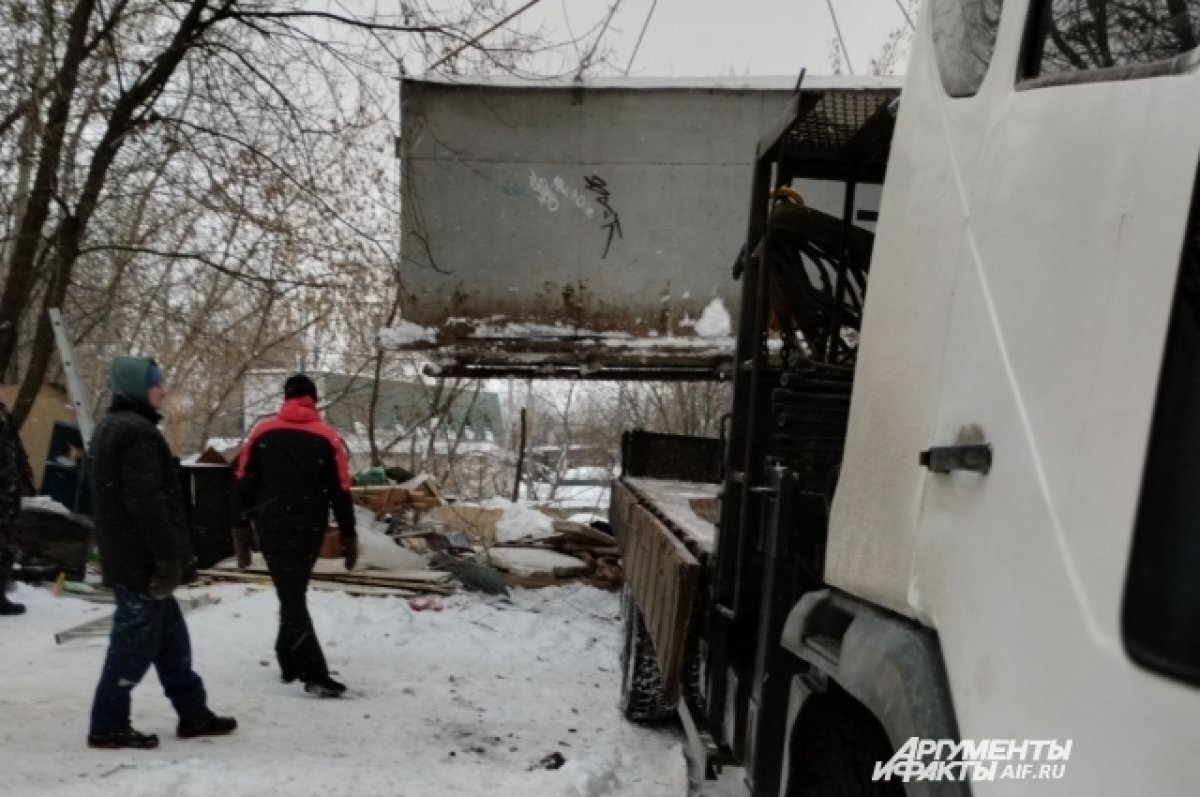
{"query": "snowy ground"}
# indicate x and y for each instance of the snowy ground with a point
(459, 703)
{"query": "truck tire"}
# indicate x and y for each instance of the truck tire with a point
(642, 698)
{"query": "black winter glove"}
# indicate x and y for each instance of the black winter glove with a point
(164, 581)
(350, 551)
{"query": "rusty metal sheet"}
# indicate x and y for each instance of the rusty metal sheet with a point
(592, 357)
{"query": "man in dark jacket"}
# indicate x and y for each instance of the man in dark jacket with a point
(292, 469)
(141, 531)
(16, 481)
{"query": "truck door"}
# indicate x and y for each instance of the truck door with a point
(1074, 222)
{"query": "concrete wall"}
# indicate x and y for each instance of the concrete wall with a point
(501, 191)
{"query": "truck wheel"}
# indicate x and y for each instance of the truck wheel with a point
(642, 697)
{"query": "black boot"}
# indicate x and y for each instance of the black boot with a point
(324, 687)
(124, 738)
(208, 724)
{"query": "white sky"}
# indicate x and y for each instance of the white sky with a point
(722, 37)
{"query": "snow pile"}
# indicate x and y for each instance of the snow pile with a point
(404, 334)
(593, 474)
(534, 562)
(378, 551)
(714, 321)
(576, 496)
(519, 521)
(44, 503)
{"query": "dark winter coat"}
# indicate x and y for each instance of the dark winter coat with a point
(140, 514)
(16, 477)
(292, 469)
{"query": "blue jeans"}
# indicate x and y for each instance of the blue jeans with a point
(146, 632)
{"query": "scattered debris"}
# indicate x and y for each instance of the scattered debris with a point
(474, 576)
(451, 541)
(332, 575)
(476, 522)
(420, 494)
(609, 574)
(426, 538)
(102, 626)
(376, 550)
(553, 761)
(53, 538)
(534, 562)
(406, 528)
(426, 603)
(582, 532)
(519, 521)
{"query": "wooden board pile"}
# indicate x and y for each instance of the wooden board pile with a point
(332, 576)
(415, 497)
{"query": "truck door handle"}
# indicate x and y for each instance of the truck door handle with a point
(976, 457)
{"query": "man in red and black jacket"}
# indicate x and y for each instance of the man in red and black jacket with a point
(292, 469)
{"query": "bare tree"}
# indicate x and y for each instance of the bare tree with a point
(1094, 34)
(170, 166)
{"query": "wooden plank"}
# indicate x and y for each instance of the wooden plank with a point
(319, 584)
(365, 590)
(339, 578)
(664, 576)
(661, 573)
(413, 576)
(670, 620)
(707, 508)
(621, 498)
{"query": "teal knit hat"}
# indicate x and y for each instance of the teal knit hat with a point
(131, 377)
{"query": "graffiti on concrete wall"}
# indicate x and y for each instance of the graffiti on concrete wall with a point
(553, 193)
(612, 220)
